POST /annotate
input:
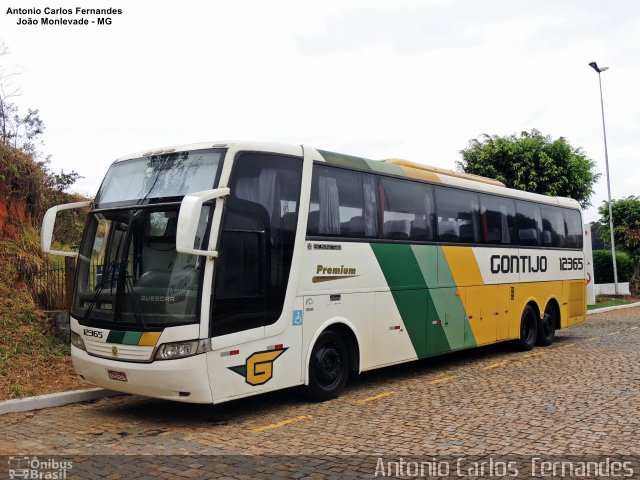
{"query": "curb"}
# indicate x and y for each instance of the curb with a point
(53, 400)
(615, 307)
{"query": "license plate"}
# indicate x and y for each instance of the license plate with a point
(120, 376)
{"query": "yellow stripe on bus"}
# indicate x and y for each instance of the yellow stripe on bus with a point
(149, 339)
(463, 265)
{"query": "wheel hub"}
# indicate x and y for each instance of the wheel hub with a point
(330, 365)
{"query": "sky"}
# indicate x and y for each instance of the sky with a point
(379, 79)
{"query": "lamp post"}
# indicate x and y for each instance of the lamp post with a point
(594, 65)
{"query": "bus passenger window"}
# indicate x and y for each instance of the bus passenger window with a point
(498, 219)
(529, 222)
(573, 228)
(343, 204)
(408, 210)
(457, 216)
(553, 234)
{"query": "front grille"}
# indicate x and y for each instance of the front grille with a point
(132, 353)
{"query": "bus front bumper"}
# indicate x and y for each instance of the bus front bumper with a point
(183, 380)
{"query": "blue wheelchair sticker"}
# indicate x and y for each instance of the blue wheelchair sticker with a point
(297, 317)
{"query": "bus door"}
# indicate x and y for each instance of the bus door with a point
(255, 251)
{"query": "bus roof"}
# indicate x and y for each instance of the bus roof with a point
(397, 167)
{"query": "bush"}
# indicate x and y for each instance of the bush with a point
(603, 266)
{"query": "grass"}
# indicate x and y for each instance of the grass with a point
(33, 361)
(612, 301)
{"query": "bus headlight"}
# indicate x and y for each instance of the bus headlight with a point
(170, 351)
(76, 341)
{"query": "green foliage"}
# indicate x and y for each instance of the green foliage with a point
(626, 224)
(603, 266)
(63, 181)
(67, 231)
(22, 178)
(58, 182)
(532, 162)
(22, 134)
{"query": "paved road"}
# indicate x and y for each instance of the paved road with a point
(580, 396)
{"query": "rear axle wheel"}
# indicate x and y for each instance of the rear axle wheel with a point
(528, 329)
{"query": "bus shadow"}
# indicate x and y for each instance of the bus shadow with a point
(175, 414)
(172, 414)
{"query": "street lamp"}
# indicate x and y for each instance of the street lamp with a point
(594, 65)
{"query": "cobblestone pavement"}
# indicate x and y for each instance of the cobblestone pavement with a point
(580, 396)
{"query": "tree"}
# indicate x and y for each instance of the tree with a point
(24, 133)
(532, 162)
(7, 90)
(626, 231)
(59, 182)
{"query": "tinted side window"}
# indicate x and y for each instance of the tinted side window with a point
(256, 243)
(343, 204)
(573, 228)
(458, 213)
(553, 234)
(498, 220)
(408, 210)
(529, 223)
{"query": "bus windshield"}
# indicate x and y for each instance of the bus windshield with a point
(159, 177)
(130, 275)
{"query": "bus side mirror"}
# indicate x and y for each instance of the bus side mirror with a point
(48, 222)
(189, 217)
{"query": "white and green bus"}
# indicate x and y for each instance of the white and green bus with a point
(215, 271)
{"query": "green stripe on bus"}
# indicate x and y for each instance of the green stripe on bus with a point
(361, 163)
(115, 336)
(399, 266)
(344, 160)
(426, 296)
(124, 338)
(382, 167)
(412, 297)
(131, 338)
(446, 301)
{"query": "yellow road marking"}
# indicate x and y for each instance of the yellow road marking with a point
(534, 354)
(442, 379)
(614, 333)
(282, 423)
(591, 339)
(375, 397)
(569, 345)
(494, 365)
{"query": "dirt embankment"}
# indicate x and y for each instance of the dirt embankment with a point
(32, 360)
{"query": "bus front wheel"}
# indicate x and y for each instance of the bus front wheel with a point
(328, 367)
(528, 329)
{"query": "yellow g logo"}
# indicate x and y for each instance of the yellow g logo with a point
(258, 368)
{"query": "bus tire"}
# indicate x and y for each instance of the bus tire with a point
(528, 329)
(328, 367)
(547, 326)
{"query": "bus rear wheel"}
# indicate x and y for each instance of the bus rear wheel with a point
(328, 367)
(547, 326)
(528, 329)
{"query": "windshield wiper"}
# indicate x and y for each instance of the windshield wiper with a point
(125, 285)
(135, 302)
